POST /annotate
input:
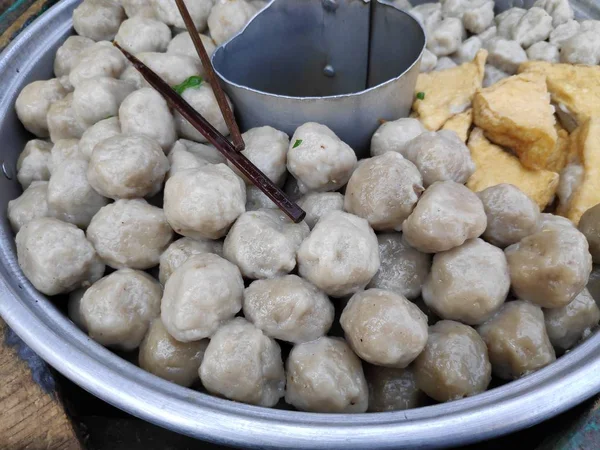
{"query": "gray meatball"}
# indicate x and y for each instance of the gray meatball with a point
(186, 154)
(256, 199)
(241, 363)
(100, 60)
(143, 34)
(326, 376)
(166, 357)
(264, 243)
(70, 195)
(534, 26)
(543, 51)
(517, 340)
(468, 283)
(393, 136)
(33, 162)
(183, 249)
(31, 204)
(446, 215)
(62, 151)
(63, 121)
(33, 103)
(550, 267)
(589, 225)
(340, 256)
(227, 18)
(569, 324)
(384, 190)
(166, 11)
(288, 308)
(403, 269)
(392, 389)
(511, 215)
(99, 98)
(127, 166)
(319, 204)
(172, 68)
(56, 257)
(67, 54)
(98, 19)
(384, 328)
(101, 130)
(440, 156)
(182, 45)
(445, 38)
(130, 233)
(454, 364)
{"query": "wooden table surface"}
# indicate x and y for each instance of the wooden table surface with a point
(41, 410)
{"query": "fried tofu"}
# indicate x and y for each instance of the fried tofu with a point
(587, 142)
(575, 89)
(460, 124)
(516, 113)
(563, 148)
(448, 92)
(494, 166)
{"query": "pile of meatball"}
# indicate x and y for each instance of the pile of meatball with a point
(400, 287)
(457, 29)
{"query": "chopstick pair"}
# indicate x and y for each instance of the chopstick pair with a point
(221, 143)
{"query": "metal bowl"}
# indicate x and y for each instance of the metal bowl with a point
(519, 404)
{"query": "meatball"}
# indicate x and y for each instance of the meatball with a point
(506, 21)
(182, 45)
(288, 308)
(143, 34)
(340, 256)
(127, 166)
(454, 363)
(384, 190)
(256, 199)
(99, 98)
(440, 156)
(582, 48)
(560, 10)
(33, 103)
(228, 17)
(74, 307)
(146, 112)
(543, 51)
(63, 122)
(166, 11)
(429, 15)
(570, 179)
(567, 325)
(204, 202)
(403, 269)
(183, 249)
(446, 215)
(468, 283)
(534, 26)
(31, 204)
(130, 233)
(202, 98)
(33, 162)
(190, 155)
(393, 136)
(506, 55)
(138, 8)
(62, 151)
(517, 341)
(445, 38)
(589, 225)
(70, 196)
(478, 18)
(444, 63)
(100, 60)
(384, 328)
(241, 363)
(511, 215)
(202, 294)
(117, 310)
(318, 159)
(56, 257)
(264, 243)
(550, 267)
(468, 50)
(428, 63)
(168, 358)
(326, 376)
(67, 54)
(98, 19)
(101, 130)
(319, 204)
(492, 75)
(563, 32)
(267, 149)
(392, 389)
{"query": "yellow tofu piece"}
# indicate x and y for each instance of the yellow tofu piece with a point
(460, 124)
(516, 113)
(587, 195)
(494, 165)
(575, 89)
(448, 92)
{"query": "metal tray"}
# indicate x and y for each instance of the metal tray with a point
(520, 404)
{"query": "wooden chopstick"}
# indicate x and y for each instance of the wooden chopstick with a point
(238, 141)
(221, 143)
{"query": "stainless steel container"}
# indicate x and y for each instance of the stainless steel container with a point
(519, 404)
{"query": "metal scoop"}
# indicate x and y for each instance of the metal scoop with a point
(344, 63)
